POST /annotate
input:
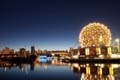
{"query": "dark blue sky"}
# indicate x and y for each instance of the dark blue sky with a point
(53, 24)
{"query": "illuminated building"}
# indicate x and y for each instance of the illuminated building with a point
(7, 51)
(95, 39)
(60, 53)
(95, 34)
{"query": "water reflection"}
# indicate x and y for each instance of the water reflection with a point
(96, 71)
(31, 66)
(59, 70)
(54, 62)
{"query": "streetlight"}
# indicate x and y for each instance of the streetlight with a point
(117, 40)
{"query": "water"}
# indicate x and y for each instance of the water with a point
(57, 70)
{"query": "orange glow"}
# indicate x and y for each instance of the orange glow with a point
(95, 34)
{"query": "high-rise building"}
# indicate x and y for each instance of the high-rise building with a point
(22, 50)
(32, 50)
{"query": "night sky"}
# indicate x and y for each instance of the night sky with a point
(53, 24)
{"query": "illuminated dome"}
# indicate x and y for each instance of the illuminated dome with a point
(95, 34)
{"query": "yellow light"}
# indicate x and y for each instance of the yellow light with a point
(76, 65)
(75, 56)
(109, 51)
(115, 65)
(87, 70)
(100, 71)
(87, 51)
(95, 34)
(111, 70)
(117, 40)
(118, 44)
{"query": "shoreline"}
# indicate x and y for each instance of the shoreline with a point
(83, 60)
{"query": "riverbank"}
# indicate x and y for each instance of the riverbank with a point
(20, 59)
(91, 60)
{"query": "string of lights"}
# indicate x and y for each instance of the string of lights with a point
(95, 34)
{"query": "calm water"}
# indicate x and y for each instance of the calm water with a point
(57, 70)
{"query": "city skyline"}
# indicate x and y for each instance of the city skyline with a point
(53, 24)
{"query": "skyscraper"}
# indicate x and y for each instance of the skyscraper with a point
(32, 50)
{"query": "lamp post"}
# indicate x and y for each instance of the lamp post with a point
(117, 40)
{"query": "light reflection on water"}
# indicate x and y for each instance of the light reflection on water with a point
(57, 70)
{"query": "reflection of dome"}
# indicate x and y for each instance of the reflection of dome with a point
(95, 34)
